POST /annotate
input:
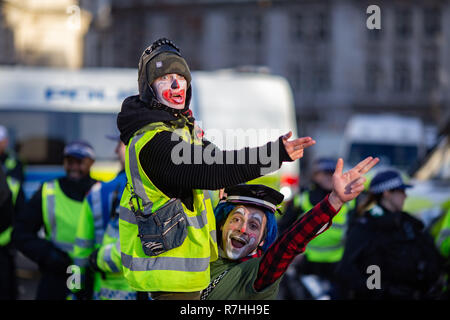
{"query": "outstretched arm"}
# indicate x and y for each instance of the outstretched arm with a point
(346, 187)
(232, 167)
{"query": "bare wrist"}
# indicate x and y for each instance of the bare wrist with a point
(334, 200)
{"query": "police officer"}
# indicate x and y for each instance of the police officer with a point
(442, 242)
(12, 169)
(97, 244)
(167, 229)
(390, 245)
(56, 207)
(326, 250)
(7, 283)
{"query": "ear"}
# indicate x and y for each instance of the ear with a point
(263, 237)
(261, 243)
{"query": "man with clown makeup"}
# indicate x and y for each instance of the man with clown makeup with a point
(167, 227)
(252, 260)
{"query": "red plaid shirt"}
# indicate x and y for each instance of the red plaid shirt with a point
(280, 254)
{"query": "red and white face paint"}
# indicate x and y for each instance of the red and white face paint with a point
(170, 89)
(242, 232)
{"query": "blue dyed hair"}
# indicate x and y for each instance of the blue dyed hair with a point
(222, 210)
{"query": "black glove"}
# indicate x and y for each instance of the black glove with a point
(57, 261)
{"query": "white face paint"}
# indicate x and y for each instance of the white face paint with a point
(170, 89)
(242, 232)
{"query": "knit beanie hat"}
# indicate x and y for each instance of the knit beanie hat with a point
(160, 58)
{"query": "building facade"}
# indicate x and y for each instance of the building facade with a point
(336, 65)
(43, 32)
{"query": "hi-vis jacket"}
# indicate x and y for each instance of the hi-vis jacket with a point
(98, 229)
(443, 238)
(181, 269)
(14, 186)
(60, 215)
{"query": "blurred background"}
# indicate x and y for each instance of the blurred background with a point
(66, 66)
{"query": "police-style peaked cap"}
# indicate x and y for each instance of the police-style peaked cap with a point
(254, 194)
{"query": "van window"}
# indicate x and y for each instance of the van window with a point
(400, 156)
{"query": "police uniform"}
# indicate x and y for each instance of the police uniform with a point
(396, 244)
(56, 207)
(12, 170)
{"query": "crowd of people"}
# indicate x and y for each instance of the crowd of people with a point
(154, 233)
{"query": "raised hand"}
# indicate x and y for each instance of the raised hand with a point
(347, 186)
(295, 147)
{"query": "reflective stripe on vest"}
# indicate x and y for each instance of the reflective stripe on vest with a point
(108, 258)
(96, 206)
(165, 263)
(136, 176)
(60, 215)
(182, 269)
(112, 231)
(84, 243)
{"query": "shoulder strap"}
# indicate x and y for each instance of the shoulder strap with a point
(212, 285)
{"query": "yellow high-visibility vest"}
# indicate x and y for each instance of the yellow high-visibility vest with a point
(181, 269)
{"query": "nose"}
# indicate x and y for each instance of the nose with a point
(175, 84)
(243, 228)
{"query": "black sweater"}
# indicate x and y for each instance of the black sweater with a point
(178, 180)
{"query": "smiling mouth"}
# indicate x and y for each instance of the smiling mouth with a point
(238, 242)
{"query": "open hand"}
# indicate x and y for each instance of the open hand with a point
(295, 147)
(347, 186)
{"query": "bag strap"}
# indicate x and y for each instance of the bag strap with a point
(212, 285)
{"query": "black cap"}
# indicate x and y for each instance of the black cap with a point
(256, 194)
(79, 149)
(387, 180)
(324, 164)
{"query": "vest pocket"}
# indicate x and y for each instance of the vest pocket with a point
(164, 229)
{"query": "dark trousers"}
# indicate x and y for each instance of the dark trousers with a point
(8, 281)
(325, 271)
(52, 287)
